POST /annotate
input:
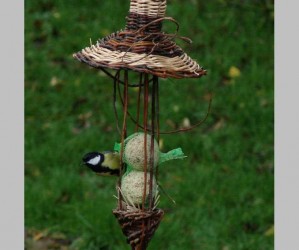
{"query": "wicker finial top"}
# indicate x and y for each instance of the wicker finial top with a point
(141, 46)
(151, 8)
(144, 12)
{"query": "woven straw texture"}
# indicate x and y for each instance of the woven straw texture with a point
(141, 46)
(139, 227)
(148, 7)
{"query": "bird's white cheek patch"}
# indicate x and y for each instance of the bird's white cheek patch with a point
(95, 160)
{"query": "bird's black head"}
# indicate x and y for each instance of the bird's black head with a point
(93, 160)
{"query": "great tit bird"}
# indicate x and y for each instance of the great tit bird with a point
(106, 163)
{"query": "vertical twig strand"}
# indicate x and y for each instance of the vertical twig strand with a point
(152, 160)
(145, 118)
(115, 82)
(157, 105)
(138, 102)
(123, 134)
(157, 115)
(126, 96)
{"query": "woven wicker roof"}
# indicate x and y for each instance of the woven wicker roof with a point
(141, 46)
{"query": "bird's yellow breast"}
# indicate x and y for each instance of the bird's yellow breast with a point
(111, 160)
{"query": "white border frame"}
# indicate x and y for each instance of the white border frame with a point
(12, 124)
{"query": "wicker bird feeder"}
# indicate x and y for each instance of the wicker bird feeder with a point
(144, 48)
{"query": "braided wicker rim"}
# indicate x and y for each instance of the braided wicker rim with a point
(141, 46)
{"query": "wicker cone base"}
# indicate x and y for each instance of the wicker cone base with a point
(139, 226)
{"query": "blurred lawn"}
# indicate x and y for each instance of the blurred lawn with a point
(225, 188)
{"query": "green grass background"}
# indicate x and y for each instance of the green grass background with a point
(224, 190)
